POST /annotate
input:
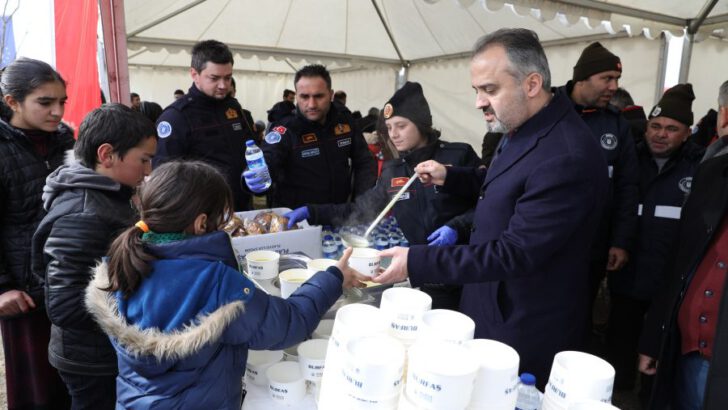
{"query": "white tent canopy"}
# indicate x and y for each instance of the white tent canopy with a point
(364, 43)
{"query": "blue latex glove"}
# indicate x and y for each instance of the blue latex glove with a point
(443, 236)
(253, 182)
(296, 216)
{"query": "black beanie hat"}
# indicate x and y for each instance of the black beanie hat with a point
(595, 59)
(676, 103)
(409, 102)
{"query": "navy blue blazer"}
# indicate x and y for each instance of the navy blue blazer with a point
(525, 270)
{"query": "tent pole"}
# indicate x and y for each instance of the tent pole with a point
(693, 26)
(389, 33)
(401, 77)
(661, 67)
(117, 67)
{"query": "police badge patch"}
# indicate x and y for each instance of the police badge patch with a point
(273, 137)
(685, 184)
(608, 141)
(164, 129)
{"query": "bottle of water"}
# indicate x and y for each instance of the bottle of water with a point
(404, 242)
(329, 247)
(339, 245)
(256, 162)
(394, 239)
(381, 243)
(528, 397)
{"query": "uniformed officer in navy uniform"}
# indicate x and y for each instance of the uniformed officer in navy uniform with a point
(595, 80)
(426, 214)
(317, 155)
(668, 160)
(208, 124)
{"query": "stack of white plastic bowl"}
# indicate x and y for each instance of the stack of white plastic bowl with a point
(496, 385)
(352, 322)
(575, 377)
(404, 308)
(373, 372)
(440, 375)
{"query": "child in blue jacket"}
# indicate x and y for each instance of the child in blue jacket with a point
(179, 314)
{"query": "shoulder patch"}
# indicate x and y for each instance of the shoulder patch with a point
(609, 141)
(164, 129)
(342, 129)
(280, 129)
(685, 184)
(273, 137)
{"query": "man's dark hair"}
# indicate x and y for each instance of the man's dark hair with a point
(232, 82)
(313, 70)
(151, 110)
(114, 124)
(210, 51)
(524, 52)
(288, 92)
(340, 95)
(133, 96)
(621, 99)
(179, 92)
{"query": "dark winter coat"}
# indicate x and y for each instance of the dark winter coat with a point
(662, 194)
(207, 129)
(525, 272)
(702, 215)
(22, 176)
(86, 211)
(613, 133)
(318, 163)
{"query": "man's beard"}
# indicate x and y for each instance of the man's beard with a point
(497, 126)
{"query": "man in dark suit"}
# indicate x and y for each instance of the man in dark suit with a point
(525, 271)
(685, 334)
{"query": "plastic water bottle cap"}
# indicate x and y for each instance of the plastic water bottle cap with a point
(249, 143)
(328, 238)
(528, 379)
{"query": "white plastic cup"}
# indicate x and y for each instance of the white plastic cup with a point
(404, 307)
(447, 325)
(262, 264)
(365, 261)
(292, 279)
(374, 367)
(312, 358)
(352, 321)
(440, 375)
(592, 405)
(577, 376)
(258, 362)
(286, 384)
(324, 329)
(320, 264)
(496, 384)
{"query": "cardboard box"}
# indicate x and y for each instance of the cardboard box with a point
(306, 239)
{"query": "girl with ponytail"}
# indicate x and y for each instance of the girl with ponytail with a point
(32, 145)
(179, 314)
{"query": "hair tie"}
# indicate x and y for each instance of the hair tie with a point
(143, 226)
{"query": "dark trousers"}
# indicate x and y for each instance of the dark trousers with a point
(626, 316)
(90, 391)
(31, 382)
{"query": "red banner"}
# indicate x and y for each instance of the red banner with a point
(75, 30)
